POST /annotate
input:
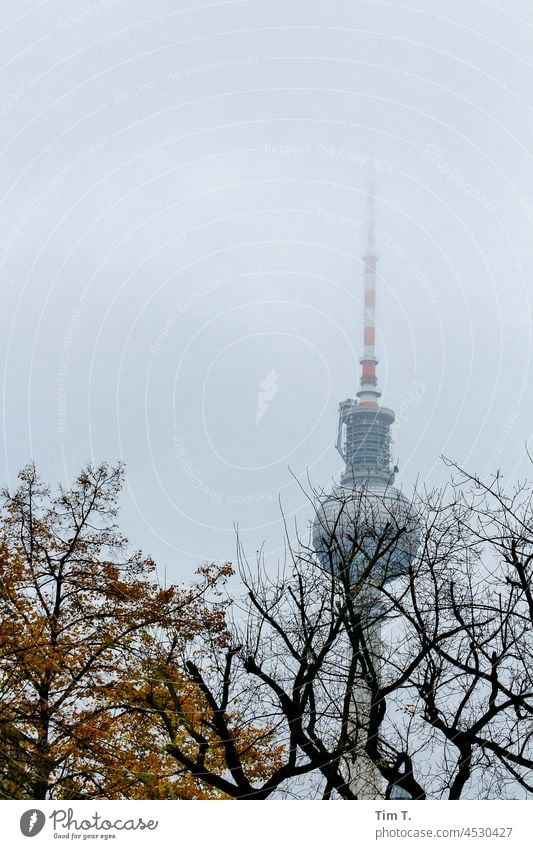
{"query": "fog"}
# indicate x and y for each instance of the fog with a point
(182, 225)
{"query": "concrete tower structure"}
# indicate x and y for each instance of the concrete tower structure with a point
(366, 528)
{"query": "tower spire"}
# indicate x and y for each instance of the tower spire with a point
(369, 393)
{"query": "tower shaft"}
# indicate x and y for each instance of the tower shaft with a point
(364, 777)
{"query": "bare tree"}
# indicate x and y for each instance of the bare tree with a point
(467, 604)
(419, 681)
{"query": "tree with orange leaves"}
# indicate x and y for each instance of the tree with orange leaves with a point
(85, 630)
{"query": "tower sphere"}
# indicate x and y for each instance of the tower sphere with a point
(368, 528)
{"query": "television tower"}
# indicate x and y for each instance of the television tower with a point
(363, 516)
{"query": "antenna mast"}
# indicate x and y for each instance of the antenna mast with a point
(369, 393)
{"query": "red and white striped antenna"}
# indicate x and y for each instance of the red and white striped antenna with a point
(369, 393)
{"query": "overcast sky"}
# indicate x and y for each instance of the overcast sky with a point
(181, 207)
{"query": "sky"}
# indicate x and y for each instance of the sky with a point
(182, 212)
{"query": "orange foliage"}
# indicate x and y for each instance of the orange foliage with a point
(85, 630)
